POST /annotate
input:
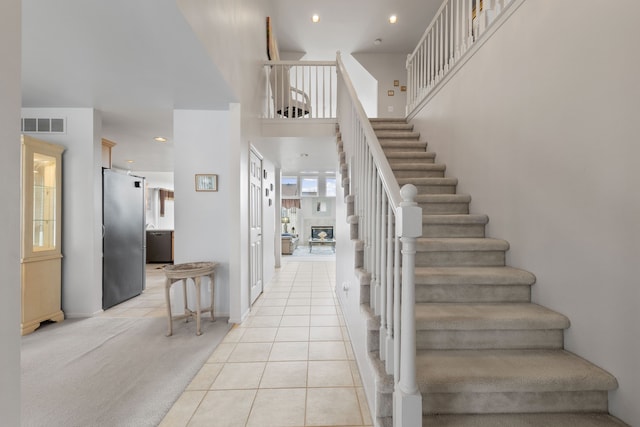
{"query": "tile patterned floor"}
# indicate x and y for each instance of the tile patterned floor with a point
(289, 364)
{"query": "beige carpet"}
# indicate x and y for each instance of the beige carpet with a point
(110, 371)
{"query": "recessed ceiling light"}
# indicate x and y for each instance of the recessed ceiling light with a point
(315, 18)
(160, 139)
(393, 19)
(377, 42)
(130, 161)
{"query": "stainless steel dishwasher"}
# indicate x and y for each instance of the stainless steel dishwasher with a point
(159, 246)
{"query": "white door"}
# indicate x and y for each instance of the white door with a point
(255, 225)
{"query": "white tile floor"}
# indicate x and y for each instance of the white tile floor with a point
(289, 363)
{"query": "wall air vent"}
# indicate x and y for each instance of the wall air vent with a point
(43, 125)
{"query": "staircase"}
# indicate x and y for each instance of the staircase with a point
(486, 355)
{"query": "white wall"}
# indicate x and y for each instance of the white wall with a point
(364, 83)
(202, 231)
(541, 127)
(386, 68)
(348, 292)
(10, 212)
(234, 34)
(81, 207)
(309, 216)
(269, 214)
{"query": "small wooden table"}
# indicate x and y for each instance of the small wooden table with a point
(180, 273)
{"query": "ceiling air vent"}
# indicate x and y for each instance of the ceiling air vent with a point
(43, 125)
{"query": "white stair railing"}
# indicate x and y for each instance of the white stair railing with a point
(300, 90)
(387, 216)
(455, 28)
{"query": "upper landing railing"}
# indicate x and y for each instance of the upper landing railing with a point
(300, 90)
(456, 28)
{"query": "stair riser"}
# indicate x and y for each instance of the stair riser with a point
(358, 261)
(588, 419)
(384, 405)
(513, 402)
(473, 293)
(444, 208)
(451, 230)
(489, 339)
(460, 259)
(373, 338)
(418, 174)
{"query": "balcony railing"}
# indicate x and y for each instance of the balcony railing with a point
(456, 27)
(300, 90)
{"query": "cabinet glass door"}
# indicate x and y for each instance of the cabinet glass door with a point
(44, 202)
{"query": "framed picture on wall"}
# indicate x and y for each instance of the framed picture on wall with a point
(206, 182)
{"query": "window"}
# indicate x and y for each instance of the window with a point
(310, 186)
(289, 186)
(331, 187)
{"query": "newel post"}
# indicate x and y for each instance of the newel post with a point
(407, 400)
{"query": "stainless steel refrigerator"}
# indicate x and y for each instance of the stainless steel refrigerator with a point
(123, 241)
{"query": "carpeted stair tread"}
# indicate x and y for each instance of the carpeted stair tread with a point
(388, 120)
(499, 276)
(524, 371)
(435, 244)
(523, 420)
(442, 198)
(454, 219)
(426, 180)
(498, 316)
(395, 126)
(422, 166)
(403, 144)
(397, 156)
(397, 134)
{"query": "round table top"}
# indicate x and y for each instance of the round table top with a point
(189, 269)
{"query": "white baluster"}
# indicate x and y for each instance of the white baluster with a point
(446, 37)
(459, 27)
(441, 22)
(451, 35)
(437, 71)
(371, 231)
(390, 360)
(469, 18)
(432, 57)
(382, 274)
(397, 288)
(377, 240)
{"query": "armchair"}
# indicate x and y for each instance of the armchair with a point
(288, 101)
(289, 243)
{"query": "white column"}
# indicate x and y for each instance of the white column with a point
(10, 102)
(407, 408)
(201, 141)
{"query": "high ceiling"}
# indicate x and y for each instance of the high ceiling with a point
(126, 58)
(351, 26)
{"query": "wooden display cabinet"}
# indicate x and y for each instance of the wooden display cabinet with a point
(41, 257)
